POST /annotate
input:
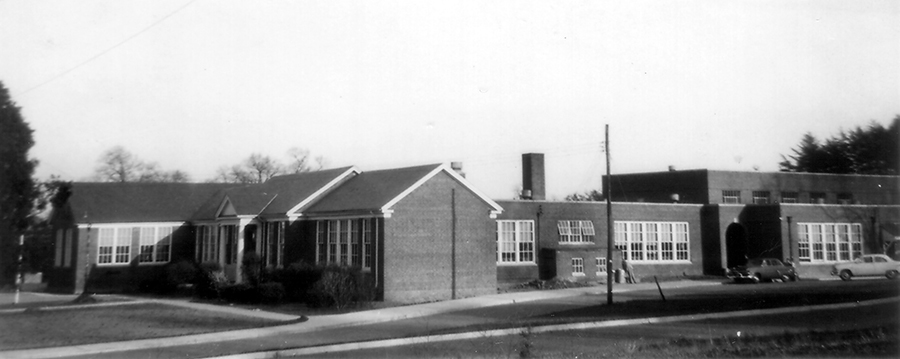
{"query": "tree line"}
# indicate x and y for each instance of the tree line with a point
(119, 165)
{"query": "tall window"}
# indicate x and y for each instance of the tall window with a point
(342, 242)
(577, 266)
(155, 244)
(601, 265)
(789, 197)
(760, 197)
(829, 242)
(817, 197)
(653, 241)
(575, 231)
(273, 242)
(208, 244)
(731, 196)
(515, 241)
(123, 245)
(228, 234)
(105, 243)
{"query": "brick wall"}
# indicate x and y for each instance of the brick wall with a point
(417, 246)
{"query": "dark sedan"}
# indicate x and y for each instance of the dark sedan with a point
(764, 269)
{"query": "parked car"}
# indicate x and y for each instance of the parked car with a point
(868, 265)
(764, 269)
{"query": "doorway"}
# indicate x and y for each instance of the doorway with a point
(736, 244)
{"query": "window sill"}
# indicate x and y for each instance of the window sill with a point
(657, 262)
(578, 274)
(576, 243)
(517, 264)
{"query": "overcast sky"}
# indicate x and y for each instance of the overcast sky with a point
(195, 85)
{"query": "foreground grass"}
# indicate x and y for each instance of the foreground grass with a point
(49, 328)
(878, 342)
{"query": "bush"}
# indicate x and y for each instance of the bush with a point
(340, 287)
(298, 279)
(244, 293)
(180, 273)
(251, 268)
(271, 293)
(209, 281)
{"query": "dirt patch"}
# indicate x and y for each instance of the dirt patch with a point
(38, 329)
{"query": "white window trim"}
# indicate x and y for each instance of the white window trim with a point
(628, 236)
(601, 265)
(805, 234)
(578, 262)
(575, 232)
(132, 254)
(517, 243)
(346, 226)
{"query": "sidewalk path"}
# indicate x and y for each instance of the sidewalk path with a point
(284, 336)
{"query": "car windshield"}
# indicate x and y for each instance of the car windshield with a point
(754, 263)
(775, 262)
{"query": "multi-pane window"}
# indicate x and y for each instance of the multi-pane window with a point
(228, 234)
(148, 242)
(829, 242)
(845, 198)
(273, 242)
(515, 241)
(575, 231)
(114, 245)
(760, 197)
(208, 244)
(731, 196)
(577, 266)
(164, 244)
(817, 197)
(601, 265)
(652, 241)
(105, 243)
(342, 242)
(123, 245)
(789, 197)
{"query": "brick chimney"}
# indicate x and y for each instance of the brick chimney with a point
(533, 175)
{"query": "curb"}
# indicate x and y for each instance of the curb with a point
(543, 329)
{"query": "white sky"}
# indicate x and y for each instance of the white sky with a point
(195, 85)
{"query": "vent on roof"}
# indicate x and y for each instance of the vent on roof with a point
(458, 167)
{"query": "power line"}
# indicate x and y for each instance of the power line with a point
(92, 58)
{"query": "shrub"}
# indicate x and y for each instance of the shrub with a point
(271, 293)
(209, 281)
(251, 268)
(298, 279)
(180, 273)
(244, 293)
(340, 287)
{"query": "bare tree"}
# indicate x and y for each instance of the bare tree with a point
(301, 161)
(119, 165)
(262, 167)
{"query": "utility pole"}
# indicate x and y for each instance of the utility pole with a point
(609, 226)
(20, 278)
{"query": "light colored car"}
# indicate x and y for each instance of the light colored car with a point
(868, 265)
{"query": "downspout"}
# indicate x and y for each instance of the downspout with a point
(790, 240)
(453, 243)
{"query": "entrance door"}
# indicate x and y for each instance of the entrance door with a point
(736, 245)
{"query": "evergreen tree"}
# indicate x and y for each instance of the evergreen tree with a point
(17, 188)
(874, 150)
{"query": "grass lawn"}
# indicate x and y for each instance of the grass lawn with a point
(45, 328)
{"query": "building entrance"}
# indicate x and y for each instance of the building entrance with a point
(736, 244)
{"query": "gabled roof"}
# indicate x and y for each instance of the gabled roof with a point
(379, 191)
(279, 196)
(139, 202)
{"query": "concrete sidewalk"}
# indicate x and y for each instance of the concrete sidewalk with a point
(286, 335)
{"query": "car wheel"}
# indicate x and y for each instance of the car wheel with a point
(846, 275)
(891, 274)
(757, 278)
(785, 278)
(795, 278)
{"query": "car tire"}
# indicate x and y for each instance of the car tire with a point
(846, 275)
(785, 278)
(757, 278)
(891, 274)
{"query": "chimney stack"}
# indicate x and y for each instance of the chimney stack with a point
(458, 167)
(533, 175)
